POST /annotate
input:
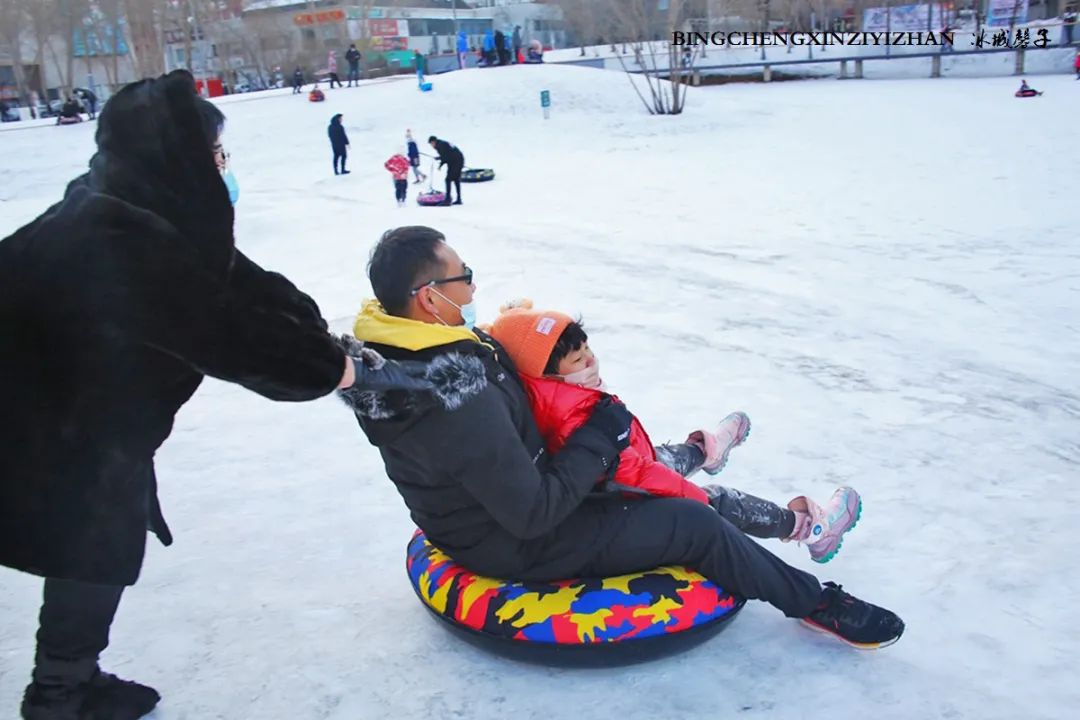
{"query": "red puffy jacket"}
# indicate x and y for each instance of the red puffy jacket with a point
(399, 166)
(561, 408)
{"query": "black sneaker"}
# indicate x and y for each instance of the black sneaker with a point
(456, 202)
(107, 696)
(854, 621)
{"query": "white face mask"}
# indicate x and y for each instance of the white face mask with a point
(589, 377)
(468, 311)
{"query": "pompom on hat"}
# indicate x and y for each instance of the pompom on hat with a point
(528, 335)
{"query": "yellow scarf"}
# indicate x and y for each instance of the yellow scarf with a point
(374, 325)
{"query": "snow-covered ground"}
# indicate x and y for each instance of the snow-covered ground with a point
(883, 274)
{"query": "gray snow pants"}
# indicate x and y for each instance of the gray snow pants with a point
(753, 515)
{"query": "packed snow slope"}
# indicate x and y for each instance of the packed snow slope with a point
(883, 274)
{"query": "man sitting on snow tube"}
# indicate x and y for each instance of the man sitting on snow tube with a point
(316, 95)
(1026, 90)
(69, 113)
(469, 461)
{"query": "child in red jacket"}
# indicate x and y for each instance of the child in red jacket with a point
(399, 166)
(562, 380)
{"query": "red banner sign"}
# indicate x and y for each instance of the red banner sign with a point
(383, 28)
(319, 18)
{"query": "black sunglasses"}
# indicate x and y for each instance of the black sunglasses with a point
(467, 278)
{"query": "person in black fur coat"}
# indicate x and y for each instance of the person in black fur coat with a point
(115, 303)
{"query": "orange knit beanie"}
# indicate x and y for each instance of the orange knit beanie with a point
(529, 336)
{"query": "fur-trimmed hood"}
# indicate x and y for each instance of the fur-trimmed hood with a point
(390, 395)
(408, 368)
(448, 379)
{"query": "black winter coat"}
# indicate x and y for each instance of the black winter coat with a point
(449, 154)
(471, 466)
(114, 304)
(336, 131)
(352, 56)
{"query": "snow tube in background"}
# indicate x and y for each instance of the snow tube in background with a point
(70, 120)
(474, 175)
(431, 198)
(316, 96)
(581, 621)
(1027, 93)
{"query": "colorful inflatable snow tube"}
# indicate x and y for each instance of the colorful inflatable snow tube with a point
(1027, 93)
(582, 621)
(431, 198)
(316, 96)
(69, 120)
(473, 175)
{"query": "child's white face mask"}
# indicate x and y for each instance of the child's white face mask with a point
(589, 377)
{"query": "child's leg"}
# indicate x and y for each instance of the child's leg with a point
(822, 529)
(704, 450)
(729, 434)
(684, 458)
(752, 515)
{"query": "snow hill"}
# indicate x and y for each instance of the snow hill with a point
(883, 274)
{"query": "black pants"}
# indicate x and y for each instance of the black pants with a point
(296, 88)
(354, 75)
(401, 190)
(644, 534)
(340, 154)
(334, 79)
(73, 630)
(453, 175)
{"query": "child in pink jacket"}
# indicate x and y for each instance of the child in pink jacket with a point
(399, 166)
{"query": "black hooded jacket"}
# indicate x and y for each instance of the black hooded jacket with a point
(336, 131)
(114, 304)
(449, 154)
(471, 466)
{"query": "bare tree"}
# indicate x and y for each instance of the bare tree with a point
(12, 25)
(641, 21)
(102, 35)
(584, 19)
(144, 35)
(41, 15)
